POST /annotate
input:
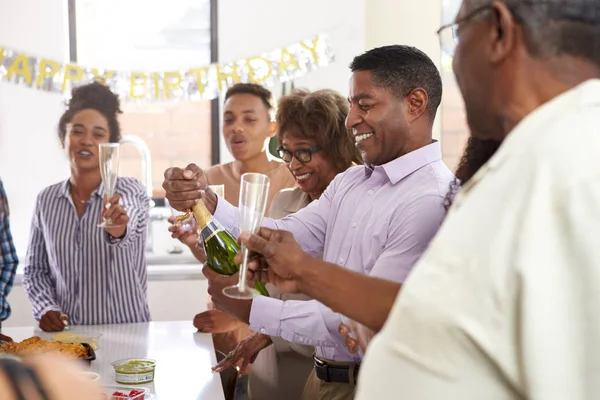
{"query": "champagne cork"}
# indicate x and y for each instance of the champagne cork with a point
(201, 214)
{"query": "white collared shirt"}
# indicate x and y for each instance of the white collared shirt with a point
(505, 303)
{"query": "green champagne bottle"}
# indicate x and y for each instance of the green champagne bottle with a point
(220, 247)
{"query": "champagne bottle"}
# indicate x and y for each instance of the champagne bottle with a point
(219, 245)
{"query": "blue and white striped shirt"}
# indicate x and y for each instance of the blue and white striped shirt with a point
(77, 268)
(8, 256)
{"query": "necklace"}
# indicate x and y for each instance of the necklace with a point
(79, 198)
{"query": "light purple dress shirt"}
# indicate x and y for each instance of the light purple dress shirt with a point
(377, 221)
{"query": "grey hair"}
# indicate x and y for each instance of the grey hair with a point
(556, 27)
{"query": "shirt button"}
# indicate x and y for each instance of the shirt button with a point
(354, 224)
(370, 192)
(341, 260)
(263, 331)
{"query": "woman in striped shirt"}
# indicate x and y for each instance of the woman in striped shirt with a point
(76, 272)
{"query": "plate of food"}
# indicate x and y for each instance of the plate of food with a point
(78, 337)
(36, 345)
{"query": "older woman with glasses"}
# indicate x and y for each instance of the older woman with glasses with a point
(316, 146)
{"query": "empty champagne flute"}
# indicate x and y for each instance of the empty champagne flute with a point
(254, 190)
(109, 169)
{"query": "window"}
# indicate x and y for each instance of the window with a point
(157, 36)
(454, 125)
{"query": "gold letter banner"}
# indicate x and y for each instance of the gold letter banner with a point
(196, 83)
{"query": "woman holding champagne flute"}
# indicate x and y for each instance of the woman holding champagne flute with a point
(77, 271)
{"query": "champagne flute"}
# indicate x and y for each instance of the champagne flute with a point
(254, 190)
(109, 167)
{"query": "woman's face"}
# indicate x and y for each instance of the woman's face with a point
(314, 176)
(246, 126)
(87, 129)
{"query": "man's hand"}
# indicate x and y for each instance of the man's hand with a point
(4, 338)
(277, 253)
(215, 321)
(53, 321)
(245, 353)
(239, 309)
(356, 336)
(185, 187)
(188, 237)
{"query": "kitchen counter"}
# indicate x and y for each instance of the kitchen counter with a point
(183, 356)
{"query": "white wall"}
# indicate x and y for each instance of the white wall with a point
(248, 28)
(30, 153)
(408, 22)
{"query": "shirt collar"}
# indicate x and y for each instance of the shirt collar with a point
(534, 126)
(401, 167)
(66, 186)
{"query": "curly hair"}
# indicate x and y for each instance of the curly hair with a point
(94, 96)
(321, 116)
(477, 153)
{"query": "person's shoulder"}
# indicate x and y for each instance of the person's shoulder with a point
(217, 173)
(287, 195)
(351, 174)
(52, 190)
(566, 151)
(46, 197)
(287, 201)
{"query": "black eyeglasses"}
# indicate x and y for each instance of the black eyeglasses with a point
(302, 155)
(449, 33)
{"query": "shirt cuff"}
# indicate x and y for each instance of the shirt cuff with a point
(265, 315)
(227, 216)
(46, 309)
(113, 241)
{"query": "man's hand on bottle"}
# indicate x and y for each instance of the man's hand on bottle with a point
(185, 187)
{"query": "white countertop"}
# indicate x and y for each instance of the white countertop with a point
(183, 356)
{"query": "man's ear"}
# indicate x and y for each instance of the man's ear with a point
(416, 104)
(272, 128)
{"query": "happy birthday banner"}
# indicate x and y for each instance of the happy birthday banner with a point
(197, 83)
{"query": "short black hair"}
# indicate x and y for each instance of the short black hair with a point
(557, 27)
(95, 96)
(401, 69)
(255, 90)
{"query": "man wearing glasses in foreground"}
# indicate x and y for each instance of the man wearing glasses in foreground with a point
(504, 303)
